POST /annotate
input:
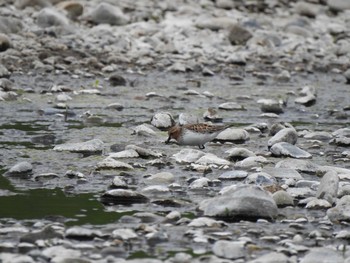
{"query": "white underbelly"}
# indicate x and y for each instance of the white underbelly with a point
(192, 138)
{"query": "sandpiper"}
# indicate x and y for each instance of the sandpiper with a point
(195, 134)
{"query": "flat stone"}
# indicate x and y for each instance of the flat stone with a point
(88, 147)
(289, 150)
(284, 135)
(283, 173)
(229, 249)
(188, 156)
(110, 163)
(123, 197)
(328, 188)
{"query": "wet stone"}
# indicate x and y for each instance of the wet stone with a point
(144, 130)
(341, 212)
(285, 135)
(289, 150)
(82, 233)
(105, 13)
(238, 35)
(89, 147)
(143, 152)
(233, 135)
(233, 175)
(124, 234)
(282, 199)
(210, 158)
(123, 197)
(110, 163)
(283, 173)
(186, 118)
(4, 42)
(49, 17)
(162, 120)
(328, 188)
(117, 80)
(230, 106)
(322, 255)
(47, 233)
(299, 165)
(315, 203)
(160, 178)
(20, 168)
(271, 105)
(251, 162)
(229, 249)
(245, 202)
(237, 154)
(188, 156)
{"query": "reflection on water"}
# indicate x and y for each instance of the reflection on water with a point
(54, 203)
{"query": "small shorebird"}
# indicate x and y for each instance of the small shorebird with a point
(195, 134)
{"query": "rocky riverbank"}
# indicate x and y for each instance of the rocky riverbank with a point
(88, 90)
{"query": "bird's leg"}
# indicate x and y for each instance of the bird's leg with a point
(201, 147)
(168, 140)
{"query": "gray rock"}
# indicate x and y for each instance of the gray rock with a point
(82, 233)
(323, 255)
(347, 76)
(285, 135)
(272, 257)
(307, 9)
(110, 163)
(162, 120)
(10, 25)
(188, 156)
(233, 135)
(144, 130)
(21, 168)
(321, 136)
(210, 158)
(124, 234)
(46, 233)
(60, 253)
(187, 118)
(200, 183)
(289, 150)
(155, 190)
(299, 165)
(225, 4)
(338, 5)
(15, 258)
(341, 212)
(244, 202)
(315, 203)
(160, 178)
(283, 173)
(282, 198)
(271, 105)
(130, 153)
(105, 13)
(143, 152)
(74, 9)
(251, 162)
(301, 192)
(308, 96)
(115, 106)
(235, 154)
(230, 106)
(21, 4)
(122, 197)
(328, 188)
(89, 147)
(233, 175)
(276, 127)
(260, 178)
(49, 17)
(205, 222)
(238, 35)
(4, 73)
(119, 183)
(214, 23)
(229, 249)
(117, 80)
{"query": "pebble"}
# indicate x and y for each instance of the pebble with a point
(233, 135)
(123, 197)
(341, 212)
(239, 35)
(105, 13)
(94, 146)
(322, 255)
(143, 152)
(49, 17)
(244, 202)
(283, 173)
(5, 42)
(288, 135)
(289, 150)
(283, 199)
(161, 178)
(237, 153)
(21, 168)
(328, 188)
(230, 106)
(251, 162)
(110, 163)
(187, 156)
(299, 165)
(210, 158)
(162, 120)
(229, 249)
(271, 105)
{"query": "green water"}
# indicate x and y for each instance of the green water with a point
(50, 203)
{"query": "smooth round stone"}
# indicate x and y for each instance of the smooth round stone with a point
(214, 23)
(233, 175)
(187, 118)
(299, 165)
(338, 5)
(48, 17)
(300, 192)
(199, 183)
(21, 168)
(323, 255)
(250, 162)
(328, 188)
(230, 106)
(73, 8)
(123, 197)
(205, 222)
(271, 105)
(233, 135)
(105, 13)
(318, 204)
(162, 120)
(322, 136)
(82, 233)
(160, 178)
(119, 183)
(341, 212)
(283, 173)
(88, 147)
(143, 152)
(276, 127)
(210, 158)
(260, 178)
(188, 156)
(238, 35)
(289, 150)
(237, 153)
(144, 130)
(124, 234)
(130, 153)
(110, 163)
(285, 135)
(283, 199)
(116, 106)
(229, 249)
(242, 202)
